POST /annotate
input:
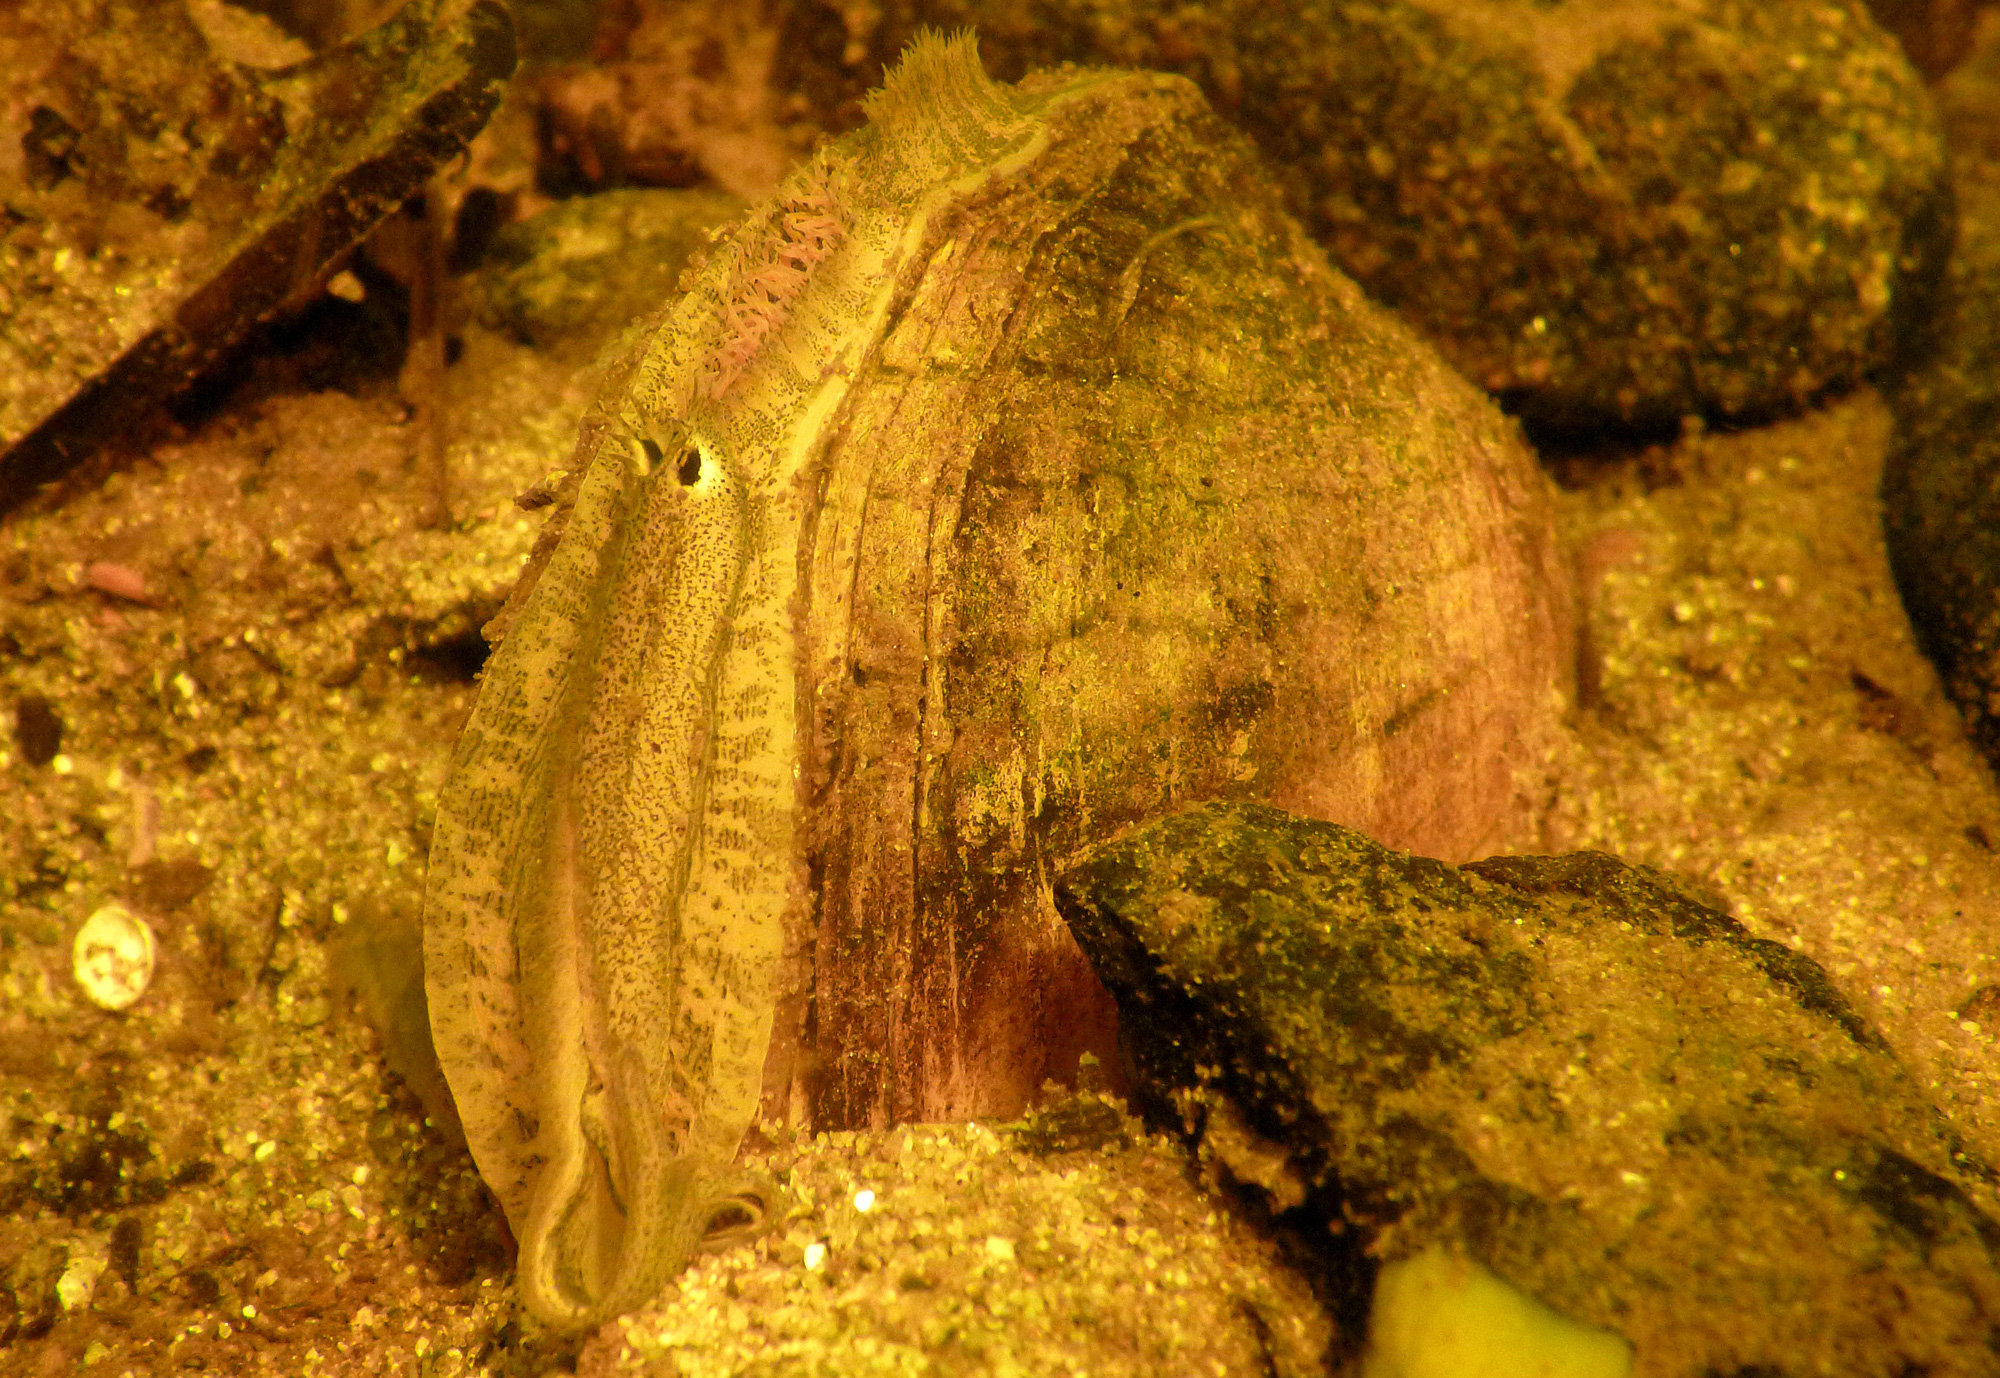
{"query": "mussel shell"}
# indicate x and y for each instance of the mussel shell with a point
(1137, 502)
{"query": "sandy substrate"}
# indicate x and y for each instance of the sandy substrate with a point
(1757, 718)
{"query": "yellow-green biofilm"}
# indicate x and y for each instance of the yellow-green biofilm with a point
(615, 863)
(1441, 1315)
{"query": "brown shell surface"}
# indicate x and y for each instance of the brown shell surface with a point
(1136, 503)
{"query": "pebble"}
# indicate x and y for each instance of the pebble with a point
(112, 958)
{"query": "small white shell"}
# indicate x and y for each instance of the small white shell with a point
(112, 958)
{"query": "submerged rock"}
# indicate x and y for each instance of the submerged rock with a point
(1563, 1069)
(1941, 492)
(1622, 215)
(1941, 480)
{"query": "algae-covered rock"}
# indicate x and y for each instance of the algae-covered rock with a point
(1562, 1068)
(1605, 212)
(1941, 482)
(1941, 491)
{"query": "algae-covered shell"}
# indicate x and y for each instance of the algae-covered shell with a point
(1019, 472)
